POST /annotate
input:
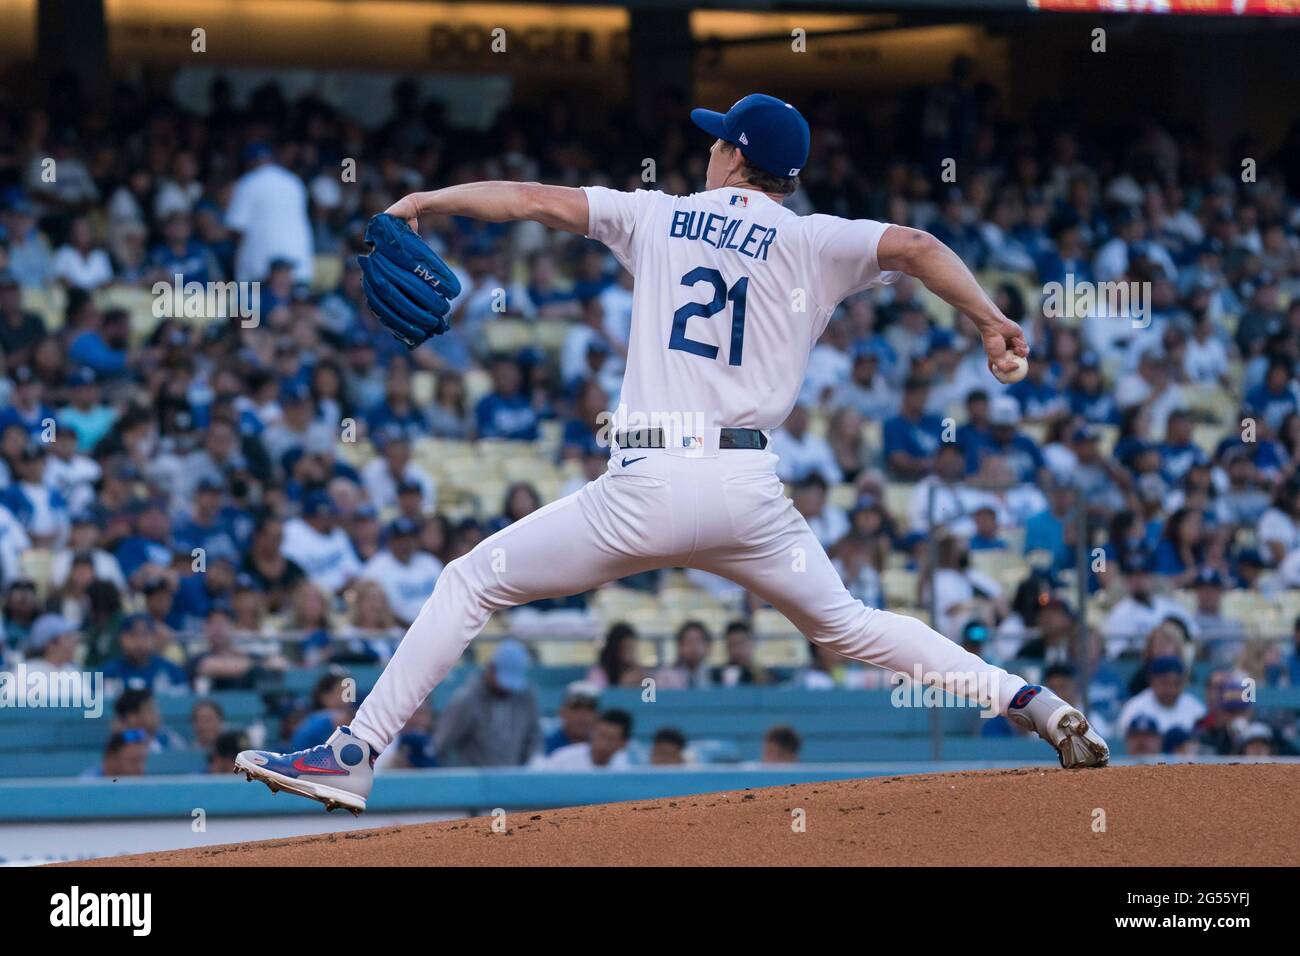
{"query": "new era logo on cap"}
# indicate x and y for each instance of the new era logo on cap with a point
(744, 140)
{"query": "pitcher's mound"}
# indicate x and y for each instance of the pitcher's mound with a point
(1166, 815)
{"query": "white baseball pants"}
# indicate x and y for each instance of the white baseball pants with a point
(720, 511)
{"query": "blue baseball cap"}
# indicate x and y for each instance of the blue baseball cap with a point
(510, 666)
(770, 133)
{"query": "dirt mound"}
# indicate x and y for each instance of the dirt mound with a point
(1167, 815)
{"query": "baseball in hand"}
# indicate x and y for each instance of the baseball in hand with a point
(1016, 374)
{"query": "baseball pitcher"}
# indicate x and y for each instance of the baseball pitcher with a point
(732, 290)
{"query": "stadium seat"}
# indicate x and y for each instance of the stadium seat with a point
(898, 499)
(327, 272)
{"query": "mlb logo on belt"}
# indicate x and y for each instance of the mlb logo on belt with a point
(693, 441)
(740, 200)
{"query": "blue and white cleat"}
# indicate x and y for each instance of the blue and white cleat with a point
(1063, 726)
(338, 773)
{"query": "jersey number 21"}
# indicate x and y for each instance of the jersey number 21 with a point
(721, 295)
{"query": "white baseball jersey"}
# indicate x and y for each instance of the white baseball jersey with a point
(732, 292)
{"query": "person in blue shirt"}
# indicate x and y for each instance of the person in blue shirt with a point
(912, 437)
(196, 594)
(1178, 453)
(26, 406)
(1039, 398)
(986, 536)
(507, 411)
(1046, 530)
(1068, 256)
(139, 666)
(151, 542)
(1087, 395)
(328, 710)
(98, 343)
(86, 413)
(1006, 442)
(953, 230)
(1182, 549)
(207, 528)
(397, 409)
(181, 254)
(1277, 396)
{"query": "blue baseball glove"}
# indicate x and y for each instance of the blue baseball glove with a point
(408, 286)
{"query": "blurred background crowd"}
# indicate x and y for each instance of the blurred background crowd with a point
(193, 504)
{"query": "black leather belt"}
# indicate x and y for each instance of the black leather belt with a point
(731, 438)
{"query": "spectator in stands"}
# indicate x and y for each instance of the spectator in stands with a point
(125, 755)
(20, 330)
(52, 647)
(827, 670)
(961, 592)
(1258, 740)
(802, 452)
(607, 747)
(394, 467)
(1278, 530)
(943, 500)
(507, 411)
(576, 717)
(269, 572)
(1166, 700)
(138, 710)
(406, 574)
(1142, 737)
(781, 744)
(1221, 636)
(319, 545)
(691, 668)
(448, 415)
(207, 721)
(619, 662)
(332, 702)
(492, 720)
(268, 209)
(81, 262)
(414, 744)
(1228, 706)
(912, 437)
(222, 665)
(40, 508)
(827, 521)
(139, 666)
(224, 750)
(668, 748)
(1056, 626)
(1142, 610)
(742, 667)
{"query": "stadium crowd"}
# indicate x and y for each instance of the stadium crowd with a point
(187, 484)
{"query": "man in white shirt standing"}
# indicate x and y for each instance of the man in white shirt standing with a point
(268, 208)
(406, 574)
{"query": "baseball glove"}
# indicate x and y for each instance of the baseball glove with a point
(408, 286)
